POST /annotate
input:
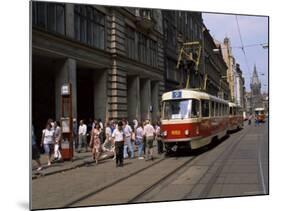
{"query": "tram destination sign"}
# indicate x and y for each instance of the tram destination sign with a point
(176, 94)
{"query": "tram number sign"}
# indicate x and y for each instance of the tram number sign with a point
(176, 94)
(176, 132)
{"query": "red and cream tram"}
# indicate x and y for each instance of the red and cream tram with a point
(191, 119)
(235, 117)
(259, 112)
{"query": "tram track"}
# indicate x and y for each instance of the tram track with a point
(143, 173)
(109, 185)
(142, 197)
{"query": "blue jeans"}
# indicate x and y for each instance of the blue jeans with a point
(128, 144)
(140, 148)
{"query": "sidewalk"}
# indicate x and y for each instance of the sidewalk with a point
(79, 159)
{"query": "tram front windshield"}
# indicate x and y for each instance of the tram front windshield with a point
(180, 109)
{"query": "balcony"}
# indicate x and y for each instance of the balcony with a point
(144, 19)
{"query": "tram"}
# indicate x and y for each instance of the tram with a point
(235, 117)
(259, 112)
(191, 119)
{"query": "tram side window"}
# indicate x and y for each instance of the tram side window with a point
(195, 109)
(234, 111)
(205, 108)
(216, 109)
(219, 110)
(230, 110)
(212, 108)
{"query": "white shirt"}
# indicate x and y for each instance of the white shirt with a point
(118, 135)
(108, 132)
(157, 130)
(101, 125)
(139, 133)
(128, 131)
(48, 136)
(148, 130)
(58, 134)
(82, 129)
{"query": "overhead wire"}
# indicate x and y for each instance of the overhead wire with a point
(243, 46)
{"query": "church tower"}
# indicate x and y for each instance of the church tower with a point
(256, 97)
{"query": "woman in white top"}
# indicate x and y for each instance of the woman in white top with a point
(119, 137)
(48, 139)
(107, 145)
(139, 140)
(58, 138)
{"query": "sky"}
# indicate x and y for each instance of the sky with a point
(254, 30)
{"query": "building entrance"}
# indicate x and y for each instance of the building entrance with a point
(85, 94)
(42, 93)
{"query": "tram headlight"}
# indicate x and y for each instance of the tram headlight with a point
(186, 132)
(165, 133)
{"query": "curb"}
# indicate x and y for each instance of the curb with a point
(37, 174)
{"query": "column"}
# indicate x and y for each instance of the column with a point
(100, 94)
(65, 73)
(155, 100)
(133, 95)
(145, 96)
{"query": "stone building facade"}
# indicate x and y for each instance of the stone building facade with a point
(231, 65)
(239, 89)
(112, 56)
(184, 26)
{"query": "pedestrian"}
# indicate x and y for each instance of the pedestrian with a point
(47, 141)
(256, 120)
(74, 133)
(100, 123)
(250, 119)
(119, 137)
(149, 133)
(89, 130)
(136, 124)
(139, 140)
(102, 134)
(107, 145)
(58, 139)
(82, 136)
(158, 138)
(128, 144)
(35, 151)
(95, 142)
(144, 139)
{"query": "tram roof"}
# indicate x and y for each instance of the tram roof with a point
(259, 109)
(233, 104)
(187, 94)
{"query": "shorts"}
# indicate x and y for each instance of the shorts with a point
(149, 142)
(48, 148)
(35, 153)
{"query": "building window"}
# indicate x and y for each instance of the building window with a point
(49, 16)
(142, 48)
(171, 72)
(153, 53)
(130, 43)
(89, 26)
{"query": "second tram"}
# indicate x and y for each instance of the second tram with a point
(259, 112)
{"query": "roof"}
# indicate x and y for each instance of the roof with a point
(190, 94)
